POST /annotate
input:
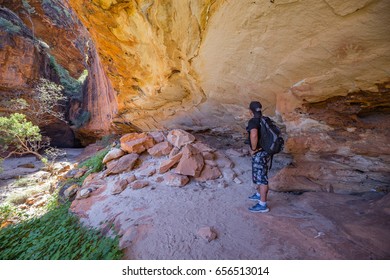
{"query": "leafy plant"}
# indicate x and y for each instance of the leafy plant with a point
(19, 136)
(57, 235)
(82, 119)
(72, 86)
(48, 96)
(27, 7)
(8, 211)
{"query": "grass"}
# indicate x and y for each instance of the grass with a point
(57, 235)
(94, 165)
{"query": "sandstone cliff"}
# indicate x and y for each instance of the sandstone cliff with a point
(320, 68)
(46, 39)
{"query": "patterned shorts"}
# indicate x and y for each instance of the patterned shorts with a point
(260, 168)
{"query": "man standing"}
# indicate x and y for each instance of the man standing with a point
(260, 159)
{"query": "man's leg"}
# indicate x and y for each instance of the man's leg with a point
(263, 191)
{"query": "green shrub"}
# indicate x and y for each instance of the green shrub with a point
(72, 86)
(94, 163)
(82, 119)
(57, 235)
(8, 211)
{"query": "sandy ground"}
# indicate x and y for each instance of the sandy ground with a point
(160, 222)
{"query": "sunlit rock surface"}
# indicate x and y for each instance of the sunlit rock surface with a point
(321, 69)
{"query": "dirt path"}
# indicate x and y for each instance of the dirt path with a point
(162, 222)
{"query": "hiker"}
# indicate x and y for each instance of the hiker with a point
(260, 159)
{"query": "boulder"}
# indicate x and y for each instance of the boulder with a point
(160, 149)
(191, 163)
(176, 180)
(169, 163)
(124, 164)
(113, 154)
(180, 138)
(209, 173)
(136, 142)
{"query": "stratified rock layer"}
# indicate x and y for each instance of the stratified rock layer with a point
(198, 64)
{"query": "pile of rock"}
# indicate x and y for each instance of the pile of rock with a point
(173, 159)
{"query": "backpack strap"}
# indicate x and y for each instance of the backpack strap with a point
(270, 166)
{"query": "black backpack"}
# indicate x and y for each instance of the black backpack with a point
(270, 140)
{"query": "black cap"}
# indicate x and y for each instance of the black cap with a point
(255, 106)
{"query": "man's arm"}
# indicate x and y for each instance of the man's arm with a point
(254, 136)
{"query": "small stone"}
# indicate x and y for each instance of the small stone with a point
(160, 149)
(209, 173)
(237, 181)
(174, 152)
(71, 191)
(124, 164)
(139, 184)
(191, 163)
(158, 136)
(222, 184)
(84, 193)
(180, 138)
(176, 180)
(169, 163)
(147, 172)
(136, 142)
(119, 186)
(207, 233)
(30, 201)
(113, 154)
(159, 179)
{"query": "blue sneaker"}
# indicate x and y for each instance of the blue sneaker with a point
(257, 208)
(255, 196)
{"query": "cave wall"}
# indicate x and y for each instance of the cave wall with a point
(198, 64)
(53, 44)
(321, 70)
